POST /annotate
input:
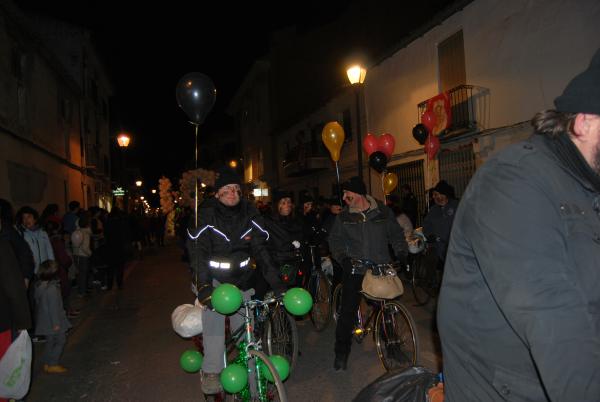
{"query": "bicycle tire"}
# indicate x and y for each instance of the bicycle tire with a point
(320, 314)
(281, 335)
(396, 336)
(337, 302)
(419, 281)
(276, 386)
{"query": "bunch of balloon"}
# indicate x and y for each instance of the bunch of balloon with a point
(380, 150)
(333, 137)
(196, 95)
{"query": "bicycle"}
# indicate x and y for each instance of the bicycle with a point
(425, 276)
(248, 343)
(319, 286)
(394, 330)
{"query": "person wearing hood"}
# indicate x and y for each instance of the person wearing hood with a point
(363, 230)
(438, 222)
(230, 234)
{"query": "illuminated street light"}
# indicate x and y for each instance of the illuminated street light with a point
(138, 183)
(153, 191)
(123, 140)
(233, 164)
(356, 76)
(142, 198)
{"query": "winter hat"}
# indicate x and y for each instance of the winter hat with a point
(227, 176)
(306, 197)
(582, 94)
(279, 194)
(444, 188)
(356, 185)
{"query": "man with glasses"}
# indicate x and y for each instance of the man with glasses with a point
(229, 235)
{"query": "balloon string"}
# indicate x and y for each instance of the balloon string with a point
(196, 177)
(337, 171)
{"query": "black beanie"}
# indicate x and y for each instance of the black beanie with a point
(227, 176)
(356, 185)
(582, 94)
(305, 197)
(444, 188)
(279, 194)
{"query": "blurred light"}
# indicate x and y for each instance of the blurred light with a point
(233, 163)
(142, 197)
(123, 140)
(138, 183)
(356, 74)
(153, 191)
(202, 185)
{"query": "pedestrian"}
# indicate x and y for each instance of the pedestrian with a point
(35, 236)
(118, 246)
(438, 222)
(15, 238)
(51, 320)
(71, 217)
(363, 230)
(82, 251)
(518, 310)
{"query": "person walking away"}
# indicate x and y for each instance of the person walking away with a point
(363, 230)
(518, 311)
(82, 251)
(51, 320)
(118, 246)
(14, 306)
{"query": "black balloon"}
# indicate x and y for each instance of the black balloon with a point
(196, 95)
(378, 161)
(420, 133)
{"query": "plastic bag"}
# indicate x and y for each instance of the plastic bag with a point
(15, 368)
(408, 385)
(187, 320)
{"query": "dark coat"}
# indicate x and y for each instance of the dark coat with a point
(117, 233)
(21, 249)
(230, 234)
(367, 236)
(14, 306)
(518, 312)
(438, 224)
(283, 231)
(49, 310)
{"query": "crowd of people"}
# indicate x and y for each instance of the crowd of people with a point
(48, 260)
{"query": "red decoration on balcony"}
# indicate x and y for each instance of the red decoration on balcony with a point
(438, 114)
(432, 146)
(386, 144)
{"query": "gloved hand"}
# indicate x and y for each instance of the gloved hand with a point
(204, 294)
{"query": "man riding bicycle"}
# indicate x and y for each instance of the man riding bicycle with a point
(230, 232)
(363, 230)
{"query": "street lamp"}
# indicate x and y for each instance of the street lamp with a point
(153, 191)
(123, 142)
(356, 76)
(138, 183)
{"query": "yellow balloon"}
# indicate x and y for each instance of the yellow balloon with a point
(333, 138)
(390, 181)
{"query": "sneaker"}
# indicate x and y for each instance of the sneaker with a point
(211, 383)
(58, 369)
(340, 362)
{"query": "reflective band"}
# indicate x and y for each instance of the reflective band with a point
(203, 229)
(227, 265)
(245, 262)
(261, 229)
(245, 233)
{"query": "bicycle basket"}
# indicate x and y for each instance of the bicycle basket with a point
(384, 286)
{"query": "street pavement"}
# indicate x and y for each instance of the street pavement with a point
(122, 347)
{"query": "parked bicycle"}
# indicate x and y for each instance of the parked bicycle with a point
(319, 286)
(394, 330)
(425, 276)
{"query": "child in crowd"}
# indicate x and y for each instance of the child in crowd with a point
(51, 320)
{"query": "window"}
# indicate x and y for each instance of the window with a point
(451, 59)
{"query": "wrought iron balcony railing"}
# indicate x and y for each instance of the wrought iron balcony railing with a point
(305, 159)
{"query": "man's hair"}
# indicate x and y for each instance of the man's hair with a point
(552, 122)
(27, 210)
(73, 205)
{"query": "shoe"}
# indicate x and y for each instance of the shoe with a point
(340, 362)
(55, 369)
(211, 383)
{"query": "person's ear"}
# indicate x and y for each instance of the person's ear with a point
(581, 127)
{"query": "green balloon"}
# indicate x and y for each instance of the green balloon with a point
(226, 298)
(281, 365)
(191, 361)
(297, 301)
(234, 378)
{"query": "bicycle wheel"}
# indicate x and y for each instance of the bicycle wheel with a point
(337, 302)
(396, 336)
(274, 392)
(419, 280)
(281, 335)
(320, 290)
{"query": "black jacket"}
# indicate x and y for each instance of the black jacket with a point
(367, 235)
(14, 307)
(230, 235)
(284, 230)
(21, 250)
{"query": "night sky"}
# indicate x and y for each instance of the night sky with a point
(147, 49)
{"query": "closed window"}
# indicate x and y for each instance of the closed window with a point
(451, 59)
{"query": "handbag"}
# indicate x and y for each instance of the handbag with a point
(387, 285)
(187, 320)
(15, 368)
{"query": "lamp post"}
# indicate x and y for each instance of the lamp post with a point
(356, 76)
(123, 141)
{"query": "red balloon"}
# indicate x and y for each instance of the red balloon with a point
(428, 120)
(370, 144)
(432, 146)
(386, 144)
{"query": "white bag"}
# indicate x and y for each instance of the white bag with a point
(187, 320)
(15, 368)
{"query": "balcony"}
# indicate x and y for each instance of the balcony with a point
(305, 159)
(469, 104)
